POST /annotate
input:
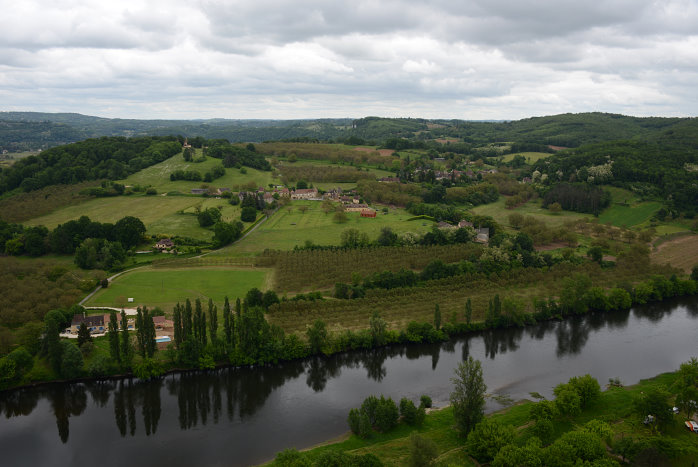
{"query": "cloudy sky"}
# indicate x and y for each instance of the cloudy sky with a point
(471, 59)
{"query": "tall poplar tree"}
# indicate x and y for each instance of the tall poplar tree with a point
(114, 337)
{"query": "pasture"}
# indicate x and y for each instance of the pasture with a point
(165, 287)
(289, 227)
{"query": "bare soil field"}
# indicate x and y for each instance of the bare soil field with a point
(682, 252)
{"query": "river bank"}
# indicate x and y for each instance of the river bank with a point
(614, 407)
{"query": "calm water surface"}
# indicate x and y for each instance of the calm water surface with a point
(244, 416)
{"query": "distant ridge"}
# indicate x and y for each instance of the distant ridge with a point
(20, 131)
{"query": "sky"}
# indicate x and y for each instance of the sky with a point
(466, 59)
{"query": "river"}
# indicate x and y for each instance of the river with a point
(244, 416)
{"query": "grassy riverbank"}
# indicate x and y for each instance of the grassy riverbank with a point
(674, 445)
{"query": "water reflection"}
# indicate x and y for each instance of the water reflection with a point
(66, 401)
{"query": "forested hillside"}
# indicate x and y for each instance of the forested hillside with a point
(111, 158)
(33, 130)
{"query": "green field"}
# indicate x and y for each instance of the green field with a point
(500, 213)
(631, 215)
(158, 175)
(165, 287)
(531, 157)
(285, 229)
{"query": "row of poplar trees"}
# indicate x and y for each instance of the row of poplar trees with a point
(120, 346)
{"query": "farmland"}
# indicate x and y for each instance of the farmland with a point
(681, 252)
(500, 213)
(164, 288)
(289, 227)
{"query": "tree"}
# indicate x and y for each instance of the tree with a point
(113, 327)
(228, 322)
(387, 237)
(387, 414)
(352, 238)
(468, 396)
(71, 363)
(468, 311)
(248, 214)
(317, 336)
(54, 324)
(378, 327)
(423, 451)
(129, 231)
(225, 233)
(654, 402)
(125, 340)
(437, 317)
(340, 217)
(83, 334)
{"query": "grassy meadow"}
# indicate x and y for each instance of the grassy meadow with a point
(500, 213)
(165, 287)
(158, 175)
(289, 227)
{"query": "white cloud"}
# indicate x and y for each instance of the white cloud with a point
(314, 58)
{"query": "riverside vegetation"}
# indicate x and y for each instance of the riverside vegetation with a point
(581, 424)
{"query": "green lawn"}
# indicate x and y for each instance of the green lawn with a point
(165, 287)
(285, 229)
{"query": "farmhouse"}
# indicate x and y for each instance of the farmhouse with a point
(368, 213)
(445, 225)
(198, 191)
(305, 193)
(161, 323)
(165, 244)
(464, 223)
(94, 323)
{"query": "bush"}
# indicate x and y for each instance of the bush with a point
(425, 401)
(487, 438)
(386, 414)
(423, 451)
(411, 414)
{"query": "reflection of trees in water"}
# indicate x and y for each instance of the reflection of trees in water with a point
(501, 340)
(200, 395)
(18, 402)
(67, 400)
(572, 335)
(128, 394)
(653, 312)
